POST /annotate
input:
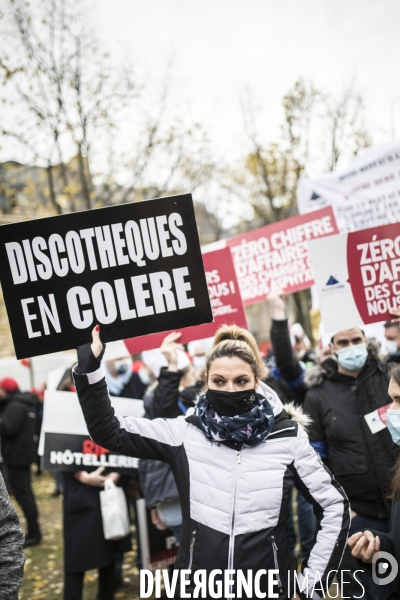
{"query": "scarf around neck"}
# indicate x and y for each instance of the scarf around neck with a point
(250, 428)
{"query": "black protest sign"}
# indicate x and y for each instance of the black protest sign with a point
(70, 452)
(134, 269)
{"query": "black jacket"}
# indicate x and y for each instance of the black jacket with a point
(134, 388)
(84, 545)
(360, 460)
(390, 542)
(166, 396)
(287, 376)
(168, 402)
(18, 429)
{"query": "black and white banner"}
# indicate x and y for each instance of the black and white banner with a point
(134, 269)
(65, 443)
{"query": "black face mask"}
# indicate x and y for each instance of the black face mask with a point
(229, 404)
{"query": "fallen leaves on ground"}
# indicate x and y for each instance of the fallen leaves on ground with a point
(44, 573)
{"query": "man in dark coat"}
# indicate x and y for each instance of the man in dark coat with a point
(18, 447)
(343, 401)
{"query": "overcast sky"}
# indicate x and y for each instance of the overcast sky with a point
(223, 46)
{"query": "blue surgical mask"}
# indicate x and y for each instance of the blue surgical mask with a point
(199, 361)
(393, 424)
(391, 347)
(144, 377)
(352, 358)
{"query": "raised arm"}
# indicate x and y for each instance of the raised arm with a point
(166, 394)
(287, 364)
(158, 439)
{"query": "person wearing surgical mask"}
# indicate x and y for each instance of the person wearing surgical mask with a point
(344, 394)
(230, 456)
(122, 381)
(198, 355)
(368, 542)
(351, 351)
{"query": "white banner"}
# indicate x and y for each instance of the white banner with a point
(367, 194)
(64, 440)
(357, 276)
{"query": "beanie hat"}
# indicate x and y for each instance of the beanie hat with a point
(9, 384)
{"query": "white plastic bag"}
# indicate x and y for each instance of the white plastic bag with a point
(114, 511)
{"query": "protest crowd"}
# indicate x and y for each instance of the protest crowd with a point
(204, 404)
(225, 466)
(199, 397)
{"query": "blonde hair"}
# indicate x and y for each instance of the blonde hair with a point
(230, 341)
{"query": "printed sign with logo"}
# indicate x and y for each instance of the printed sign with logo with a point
(71, 452)
(134, 269)
(225, 301)
(276, 256)
(65, 443)
(357, 276)
(366, 194)
(376, 420)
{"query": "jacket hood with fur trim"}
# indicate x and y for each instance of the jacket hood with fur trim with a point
(294, 412)
(316, 375)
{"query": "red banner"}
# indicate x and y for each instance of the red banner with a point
(373, 262)
(357, 276)
(277, 255)
(225, 299)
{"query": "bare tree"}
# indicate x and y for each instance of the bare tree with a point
(34, 102)
(61, 87)
(344, 123)
(69, 99)
(271, 171)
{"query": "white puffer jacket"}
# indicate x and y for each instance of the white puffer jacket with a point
(234, 504)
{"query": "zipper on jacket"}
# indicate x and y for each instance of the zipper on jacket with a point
(281, 430)
(232, 533)
(192, 542)
(275, 551)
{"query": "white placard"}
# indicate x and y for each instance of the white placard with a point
(62, 413)
(367, 194)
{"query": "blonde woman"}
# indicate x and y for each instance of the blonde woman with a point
(231, 458)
